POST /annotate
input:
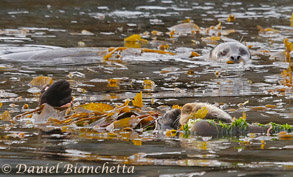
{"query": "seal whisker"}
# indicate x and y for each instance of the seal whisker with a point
(241, 39)
(230, 53)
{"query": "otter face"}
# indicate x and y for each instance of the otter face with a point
(230, 53)
(186, 110)
(213, 112)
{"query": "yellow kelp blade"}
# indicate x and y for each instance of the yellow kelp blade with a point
(148, 84)
(41, 81)
(99, 107)
(134, 41)
(291, 20)
(199, 114)
(231, 18)
(113, 83)
(5, 116)
(137, 101)
(130, 122)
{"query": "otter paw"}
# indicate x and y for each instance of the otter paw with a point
(57, 94)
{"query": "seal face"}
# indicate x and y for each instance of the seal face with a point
(230, 52)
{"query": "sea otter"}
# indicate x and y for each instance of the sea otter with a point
(230, 52)
(176, 117)
(213, 112)
(57, 94)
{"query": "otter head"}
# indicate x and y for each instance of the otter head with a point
(213, 112)
(230, 52)
(187, 109)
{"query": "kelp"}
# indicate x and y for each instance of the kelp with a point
(135, 38)
(291, 20)
(164, 46)
(208, 127)
(176, 107)
(134, 41)
(113, 83)
(156, 33)
(287, 73)
(200, 114)
(123, 118)
(231, 18)
(238, 127)
(285, 136)
(120, 118)
(112, 51)
(41, 81)
(266, 30)
(98, 107)
(95, 115)
(157, 51)
(5, 116)
(276, 128)
(148, 85)
(137, 101)
(194, 54)
(211, 39)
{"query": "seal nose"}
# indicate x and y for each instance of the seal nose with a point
(235, 58)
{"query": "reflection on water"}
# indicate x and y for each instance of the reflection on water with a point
(34, 34)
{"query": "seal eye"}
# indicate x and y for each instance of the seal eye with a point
(242, 51)
(224, 52)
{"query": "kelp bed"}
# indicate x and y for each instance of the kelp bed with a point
(123, 121)
(109, 123)
(105, 118)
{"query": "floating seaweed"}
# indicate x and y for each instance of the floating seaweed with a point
(287, 74)
(291, 20)
(113, 50)
(137, 101)
(266, 30)
(134, 41)
(113, 83)
(41, 81)
(231, 18)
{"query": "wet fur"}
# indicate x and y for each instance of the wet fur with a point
(170, 120)
(235, 49)
(213, 112)
(57, 94)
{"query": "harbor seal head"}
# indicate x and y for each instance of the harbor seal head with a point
(230, 53)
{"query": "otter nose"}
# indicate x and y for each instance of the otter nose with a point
(235, 58)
